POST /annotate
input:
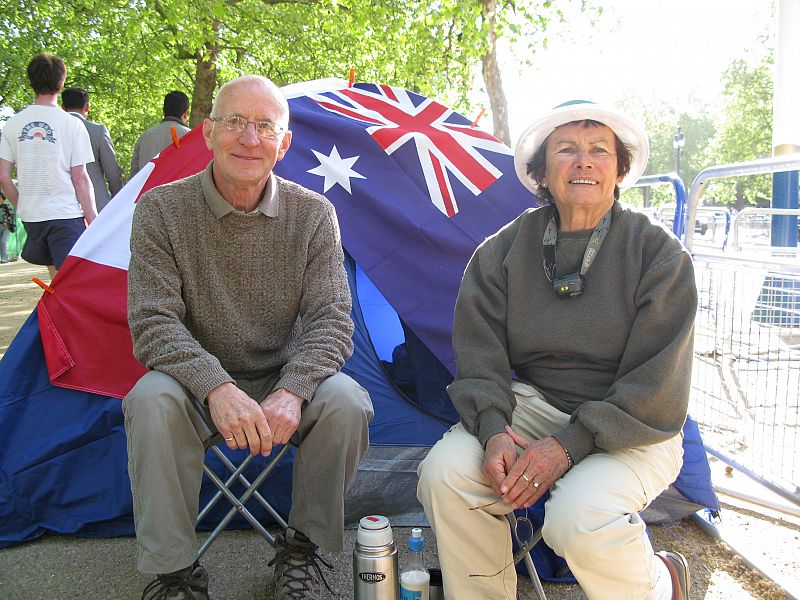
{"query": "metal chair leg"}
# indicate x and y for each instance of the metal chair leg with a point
(525, 549)
(237, 501)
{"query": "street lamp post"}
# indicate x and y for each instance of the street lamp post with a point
(678, 143)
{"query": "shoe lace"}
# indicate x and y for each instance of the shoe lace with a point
(163, 584)
(297, 565)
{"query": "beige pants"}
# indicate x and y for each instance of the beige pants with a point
(591, 518)
(165, 462)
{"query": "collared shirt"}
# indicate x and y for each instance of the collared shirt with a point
(268, 205)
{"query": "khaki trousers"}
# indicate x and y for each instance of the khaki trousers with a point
(165, 462)
(591, 518)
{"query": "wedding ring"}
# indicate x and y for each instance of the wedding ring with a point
(527, 480)
(230, 439)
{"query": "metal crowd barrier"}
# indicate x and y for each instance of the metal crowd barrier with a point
(753, 212)
(774, 164)
(746, 376)
(746, 373)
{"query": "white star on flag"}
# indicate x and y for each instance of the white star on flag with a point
(335, 169)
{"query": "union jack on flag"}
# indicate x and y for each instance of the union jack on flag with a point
(444, 148)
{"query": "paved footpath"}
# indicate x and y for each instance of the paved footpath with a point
(67, 568)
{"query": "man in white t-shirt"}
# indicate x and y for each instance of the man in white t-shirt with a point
(50, 149)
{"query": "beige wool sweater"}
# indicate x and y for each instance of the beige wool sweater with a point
(215, 294)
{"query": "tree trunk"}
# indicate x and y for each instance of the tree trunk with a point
(491, 75)
(205, 82)
(647, 196)
(740, 199)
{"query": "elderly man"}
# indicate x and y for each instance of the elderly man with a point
(238, 298)
(50, 150)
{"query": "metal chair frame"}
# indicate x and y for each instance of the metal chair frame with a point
(525, 548)
(237, 502)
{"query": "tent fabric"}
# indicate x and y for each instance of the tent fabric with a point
(403, 154)
(397, 422)
(416, 189)
(74, 478)
(63, 457)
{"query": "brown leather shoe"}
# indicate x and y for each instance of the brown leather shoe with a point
(678, 568)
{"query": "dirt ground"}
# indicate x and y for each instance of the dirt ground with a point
(767, 538)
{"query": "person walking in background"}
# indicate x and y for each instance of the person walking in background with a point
(50, 150)
(8, 225)
(105, 167)
(155, 139)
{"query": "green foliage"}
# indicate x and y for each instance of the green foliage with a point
(742, 132)
(108, 53)
(745, 133)
(129, 53)
(662, 122)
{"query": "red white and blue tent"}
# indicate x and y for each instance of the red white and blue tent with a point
(416, 188)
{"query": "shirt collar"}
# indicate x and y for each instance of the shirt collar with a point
(268, 205)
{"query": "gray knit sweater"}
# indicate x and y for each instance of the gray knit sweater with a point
(617, 358)
(215, 294)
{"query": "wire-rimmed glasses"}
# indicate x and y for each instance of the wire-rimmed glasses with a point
(266, 130)
(523, 533)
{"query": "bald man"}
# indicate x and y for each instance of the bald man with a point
(238, 298)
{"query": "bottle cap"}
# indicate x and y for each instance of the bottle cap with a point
(415, 541)
(374, 530)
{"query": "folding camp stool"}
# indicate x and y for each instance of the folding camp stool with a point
(236, 477)
(525, 550)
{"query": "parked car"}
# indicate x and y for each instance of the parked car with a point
(699, 227)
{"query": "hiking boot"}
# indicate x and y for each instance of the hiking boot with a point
(297, 574)
(678, 569)
(190, 583)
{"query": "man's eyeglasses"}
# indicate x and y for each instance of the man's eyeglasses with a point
(524, 535)
(264, 129)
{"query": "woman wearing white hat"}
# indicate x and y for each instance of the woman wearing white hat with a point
(573, 337)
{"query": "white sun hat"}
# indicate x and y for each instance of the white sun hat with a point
(627, 129)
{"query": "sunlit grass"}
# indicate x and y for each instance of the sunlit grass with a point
(18, 297)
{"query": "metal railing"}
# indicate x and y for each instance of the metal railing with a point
(750, 211)
(746, 375)
(762, 166)
(673, 179)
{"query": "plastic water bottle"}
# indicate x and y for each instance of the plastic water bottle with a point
(415, 579)
(375, 572)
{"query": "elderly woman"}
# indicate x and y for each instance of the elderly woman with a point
(573, 337)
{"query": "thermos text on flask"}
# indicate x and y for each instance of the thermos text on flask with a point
(375, 571)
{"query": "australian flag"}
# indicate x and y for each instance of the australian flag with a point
(416, 189)
(415, 186)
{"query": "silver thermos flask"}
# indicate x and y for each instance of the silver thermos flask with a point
(375, 571)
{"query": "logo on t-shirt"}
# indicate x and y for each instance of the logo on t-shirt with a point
(37, 130)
